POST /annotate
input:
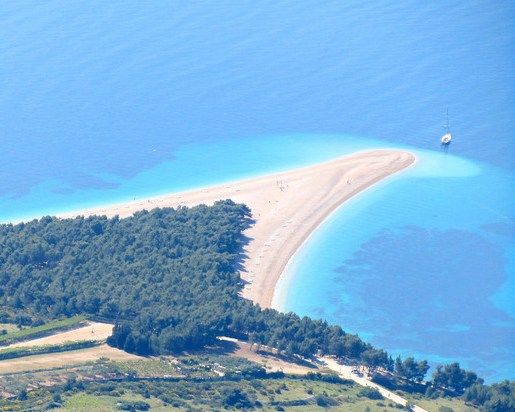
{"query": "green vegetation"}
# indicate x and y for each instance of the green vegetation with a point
(410, 369)
(453, 378)
(440, 404)
(269, 394)
(191, 367)
(150, 367)
(45, 329)
(133, 405)
(18, 352)
(169, 280)
(169, 277)
(6, 328)
(370, 393)
(199, 382)
(85, 401)
(497, 397)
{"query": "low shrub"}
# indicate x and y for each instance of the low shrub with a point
(133, 406)
(370, 393)
(325, 401)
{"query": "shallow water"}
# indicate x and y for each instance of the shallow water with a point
(422, 264)
(104, 102)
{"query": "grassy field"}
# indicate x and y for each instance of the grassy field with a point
(83, 402)
(17, 335)
(195, 383)
(15, 352)
(157, 367)
(270, 393)
(9, 327)
(435, 405)
(62, 359)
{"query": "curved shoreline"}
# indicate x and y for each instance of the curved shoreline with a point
(266, 297)
(287, 207)
(286, 277)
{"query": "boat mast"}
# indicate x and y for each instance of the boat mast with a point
(447, 137)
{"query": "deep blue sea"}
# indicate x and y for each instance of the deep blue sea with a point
(109, 101)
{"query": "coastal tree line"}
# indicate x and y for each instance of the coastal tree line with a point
(169, 280)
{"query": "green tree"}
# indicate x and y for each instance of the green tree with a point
(22, 394)
(411, 369)
(236, 398)
(375, 358)
(453, 378)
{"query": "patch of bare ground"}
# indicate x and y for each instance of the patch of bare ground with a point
(270, 359)
(63, 359)
(92, 331)
(273, 362)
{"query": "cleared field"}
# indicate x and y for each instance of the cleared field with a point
(82, 402)
(434, 405)
(100, 331)
(9, 327)
(62, 359)
(92, 331)
(15, 335)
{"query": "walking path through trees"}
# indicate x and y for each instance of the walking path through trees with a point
(345, 372)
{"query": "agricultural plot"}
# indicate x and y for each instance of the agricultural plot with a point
(265, 394)
(90, 331)
(19, 352)
(6, 328)
(63, 359)
(440, 404)
(231, 375)
(14, 335)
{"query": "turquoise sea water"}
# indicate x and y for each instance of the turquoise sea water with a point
(110, 101)
(423, 264)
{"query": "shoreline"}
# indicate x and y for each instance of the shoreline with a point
(286, 277)
(286, 206)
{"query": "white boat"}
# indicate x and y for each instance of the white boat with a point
(447, 137)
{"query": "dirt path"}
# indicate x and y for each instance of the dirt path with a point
(270, 361)
(346, 372)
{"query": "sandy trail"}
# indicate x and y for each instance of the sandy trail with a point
(345, 372)
(268, 358)
(287, 207)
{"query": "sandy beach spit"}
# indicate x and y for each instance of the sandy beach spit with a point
(286, 206)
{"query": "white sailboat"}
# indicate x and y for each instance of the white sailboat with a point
(447, 137)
